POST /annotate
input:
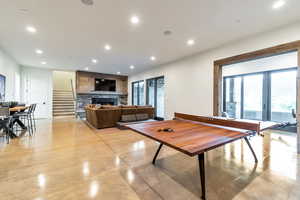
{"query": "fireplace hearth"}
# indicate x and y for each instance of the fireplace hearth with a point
(105, 101)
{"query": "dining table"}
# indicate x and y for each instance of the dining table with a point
(18, 109)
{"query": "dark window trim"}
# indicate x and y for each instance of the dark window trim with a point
(138, 92)
(242, 97)
(155, 93)
(224, 93)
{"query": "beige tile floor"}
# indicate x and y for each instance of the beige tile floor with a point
(68, 160)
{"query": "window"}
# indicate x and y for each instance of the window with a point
(283, 95)
(268, 96)
(156, 95)
(253, 96)
(232, 98)
(138, 93)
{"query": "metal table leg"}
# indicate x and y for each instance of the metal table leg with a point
(202, 174)
(156, 154)
(250, 147)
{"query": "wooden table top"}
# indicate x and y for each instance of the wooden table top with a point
(191, 138)
(18, 108)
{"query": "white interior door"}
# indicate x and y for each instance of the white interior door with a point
(39, 91)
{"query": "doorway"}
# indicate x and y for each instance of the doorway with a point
(155, 93)
(267, 96)
(37, 89)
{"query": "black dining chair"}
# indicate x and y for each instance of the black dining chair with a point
(28, 117)
(5, 122)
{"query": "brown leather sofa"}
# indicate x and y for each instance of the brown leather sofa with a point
(109, 116)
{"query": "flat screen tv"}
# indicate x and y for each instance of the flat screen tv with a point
(105, 85)
(2, 88)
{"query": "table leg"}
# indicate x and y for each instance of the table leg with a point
(18, 121)
(202, 174)
(12, 135)
(156, 154)
(250, 147)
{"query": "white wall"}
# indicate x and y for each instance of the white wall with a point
(189, 82)
(62, 80)
(11, 70)
(37, 87)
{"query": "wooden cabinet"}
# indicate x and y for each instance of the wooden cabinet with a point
(86, 82)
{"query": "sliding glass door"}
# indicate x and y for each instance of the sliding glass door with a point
(253, 97)
(233, 96)
(155, 95)
(283, 95)
(138, 93)
(151, 85)
(267, 96)
(160, 96)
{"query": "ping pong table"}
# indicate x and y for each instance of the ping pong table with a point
(195, 135)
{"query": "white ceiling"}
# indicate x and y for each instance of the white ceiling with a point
(71, 34)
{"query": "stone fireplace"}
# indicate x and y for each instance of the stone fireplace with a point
(87, 93)
(103, 98)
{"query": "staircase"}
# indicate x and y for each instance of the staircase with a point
(63, 103)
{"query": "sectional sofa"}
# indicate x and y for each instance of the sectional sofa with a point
(108, 116)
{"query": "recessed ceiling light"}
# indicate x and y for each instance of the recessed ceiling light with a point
(86, 68)
(278, 4)
(134, 20)
(31, 29)
(118, 72)
(107, 47)
(87, 2)
(43, 62)
(131, 67)
(94, 61)
(38, 51)
(190, 42)
(24, 10)
(167, 32)
(152, 58)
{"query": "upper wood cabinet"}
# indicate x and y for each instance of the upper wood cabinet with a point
(86, 82)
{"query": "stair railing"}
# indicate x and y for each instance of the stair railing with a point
(74, 98)
(73, 92)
